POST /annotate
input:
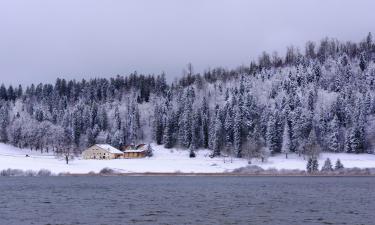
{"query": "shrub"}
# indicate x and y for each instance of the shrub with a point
(249, 170)
(30, 173)
(44, 173)
(106, 171)
(11, 173)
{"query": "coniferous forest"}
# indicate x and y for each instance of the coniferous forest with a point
(319, 98)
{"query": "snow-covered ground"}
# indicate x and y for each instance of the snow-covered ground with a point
(164, 161)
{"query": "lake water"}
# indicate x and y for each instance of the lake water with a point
(187, 200)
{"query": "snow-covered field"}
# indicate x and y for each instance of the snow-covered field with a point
(164, 161)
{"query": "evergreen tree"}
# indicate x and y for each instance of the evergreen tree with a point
(362, 62)
(228, 126)
(237, 142)
(217, 138)
(196, 134)
(339, 165)
(169, 140)
(3, 92)
(117, 139)
(272, 135)
(312, 165)
(191, 152)
(103, 119)
(149, 151)
(4, 122)
(315, 165)
(327, 167)
(90, 137)
(158, 125)
(334, 135)
(309, 165)
(312, 148)
(134, 123)
(205, 122)
(285, 149)
(117, 118)
(264, 153)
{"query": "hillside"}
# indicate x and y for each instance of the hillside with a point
(319, 100)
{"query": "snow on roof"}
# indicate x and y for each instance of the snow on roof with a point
(109, 148)
(134, 150)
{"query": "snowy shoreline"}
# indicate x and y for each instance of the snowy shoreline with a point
(368, 172)
(171, 162)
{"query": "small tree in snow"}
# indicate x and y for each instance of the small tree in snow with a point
(264, 153)
(339, 165)
(149, 151)
(312, 165)
(315, 165)
(191, 151)
(309, 165)
(327, 167)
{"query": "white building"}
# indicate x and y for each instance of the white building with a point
(102, 151)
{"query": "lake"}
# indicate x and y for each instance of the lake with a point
(187, 200)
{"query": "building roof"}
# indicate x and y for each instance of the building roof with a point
(109, 148)
(134, 150)
(141, 146)
(128, 147)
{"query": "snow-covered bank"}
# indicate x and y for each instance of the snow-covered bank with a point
(164, 161)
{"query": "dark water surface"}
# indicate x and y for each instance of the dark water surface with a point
(187, 200)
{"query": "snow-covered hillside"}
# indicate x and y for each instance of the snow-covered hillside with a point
(164, 160)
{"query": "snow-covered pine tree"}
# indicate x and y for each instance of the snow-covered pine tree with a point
(315, 165)
(339, 165)
(134, 123)
(285, 149)
(327, 167)
(158, 126)
(117, 139)
(309, 165)
(205, 122)
(312, 148)
(169, 139)
(272, 134)
(4, 122)
(334, 145)
(149, 151)
(228, 126)
(191, 151)
(90, 137)
(237, 134)
(196, 135)
(103, 118)
(117, 118)
(217, 137)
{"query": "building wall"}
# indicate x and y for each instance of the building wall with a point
(134, 155)
(96, 152)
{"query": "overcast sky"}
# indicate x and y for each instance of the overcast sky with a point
(43, 40)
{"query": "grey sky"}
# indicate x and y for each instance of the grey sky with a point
(41, 40)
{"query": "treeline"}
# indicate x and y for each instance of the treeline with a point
(319, 100)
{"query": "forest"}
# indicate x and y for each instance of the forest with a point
(318, 99)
